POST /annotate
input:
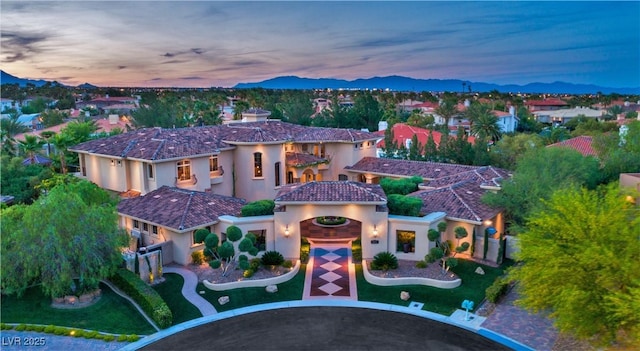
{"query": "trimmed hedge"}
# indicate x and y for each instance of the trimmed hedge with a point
(73, 332)
(404, 205)
(402, 186)
(149, 299)
(258, 208)
(497, 290)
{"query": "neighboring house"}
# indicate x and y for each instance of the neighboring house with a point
(403, 135)
(105, 103)
(582, 144)
(181, 180)
(6, 104)
(562, 116)
(508, 121)
(549, 104)
(31, 120)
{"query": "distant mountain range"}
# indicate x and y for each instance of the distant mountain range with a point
(399, 83)
(395, 83)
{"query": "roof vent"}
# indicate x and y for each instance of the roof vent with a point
(156, 196)
(171, 147)
(211, 203)
(174, 200)
(386, 165)
(103, 144)
(469, 192)
(437, 170)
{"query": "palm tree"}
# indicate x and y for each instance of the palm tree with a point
(484, 123)
(239, 107)
(30, 146)
(10, 127)
(446, 110)
(62, 141)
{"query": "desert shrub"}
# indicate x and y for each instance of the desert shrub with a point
(496, 290)
(197, 257)
(255, 263)
(258, 208)
(108, 338)
(287, 264)
(133, 338)
(244, 265)
(404, 205)
(122, 338)
(5, 326)
(272, 258)
(49, 329)
(148, 299)
(384, 261)
(248, 273)
(21, 327)
(421, 264)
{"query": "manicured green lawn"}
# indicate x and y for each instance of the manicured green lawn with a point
(111, 314)
(170, 290)
(443, 301)
(291, 290)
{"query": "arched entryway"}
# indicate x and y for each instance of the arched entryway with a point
(312, 229)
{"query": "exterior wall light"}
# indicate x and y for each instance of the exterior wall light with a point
(286, 231)
(488, 222)
(375, 231)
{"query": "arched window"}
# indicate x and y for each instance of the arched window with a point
(257, 164)
(184, 170)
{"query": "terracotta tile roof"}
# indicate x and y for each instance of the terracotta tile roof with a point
(394, 167)
(333, 191)
(461, 200)
(159, 144)
(484, 176)
(403, 132)
(546, 102)
(295, 159)
(180, 209)
(582, 144)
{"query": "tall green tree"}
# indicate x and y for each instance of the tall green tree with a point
(484, 123)
(9, 128)
(619, 152)
(30, 147)
(298, 109)
(579, 260)
(51, 245)
(538, 173)
(447, 109)
(508, 150)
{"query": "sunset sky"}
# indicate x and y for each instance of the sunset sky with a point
(210, 43)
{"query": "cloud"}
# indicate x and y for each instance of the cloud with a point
(174, 61)
(197, 51)
(191, 78)
(19, 46)
(122, 67)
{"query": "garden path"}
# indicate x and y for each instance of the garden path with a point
(189, 290)
(330, 272)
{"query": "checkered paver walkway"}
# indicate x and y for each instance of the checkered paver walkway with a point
(330, 272)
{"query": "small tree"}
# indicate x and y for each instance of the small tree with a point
(225, 256)
(460, 233)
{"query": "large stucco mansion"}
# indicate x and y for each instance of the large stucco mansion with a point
(176, 181)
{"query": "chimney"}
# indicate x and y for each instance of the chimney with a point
(512, 110)
(467, 103)
(113, 119)
(383, 125)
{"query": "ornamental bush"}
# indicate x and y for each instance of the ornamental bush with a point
(272, 258)
(197, 257)
(258, 208)
(497, 290)
(384, 261)
(402, 186)
(404, 205)
(148, 299)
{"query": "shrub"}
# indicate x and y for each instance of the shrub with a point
(244, 265)
(404, 205)
(243, 258)
(421, 264)
(400, 186)
(245, 245)
(148, 299)
(215, 264)
(248, 273)
(496, 290)
(287, 264)
(108, 338)
(356, 250)
(197, 257)
(20, 327)
(5, 326)
(330, 220)
(200, 235)
(234, 233)
(272, 258)
(122, 338)
(132, 338)
(452, 262)
(258, 208)
(384, 261)
(255, 263)
(49, 329)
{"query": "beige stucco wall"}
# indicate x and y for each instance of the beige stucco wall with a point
(101, 172)
(346, 154)
(223, 184)
(249, 223)
(420, 225)
(249, 187)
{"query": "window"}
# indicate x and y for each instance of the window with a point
(289, 177)
(154, 229)
(150, 170)
(343, 177)
(145, 227)
(136, 224)
(305, 148)
(213, 164)
(406, 241)
(184, 170)
(257, 164)
(277, 170)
